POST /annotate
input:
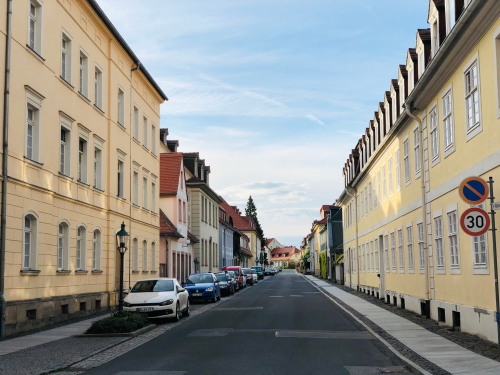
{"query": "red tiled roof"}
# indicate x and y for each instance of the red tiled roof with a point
(170, 171)
(167, 227)
(238, 221)
(325, 207)
(290, 250)
(269, 240)
(192, 238)
(322, 221)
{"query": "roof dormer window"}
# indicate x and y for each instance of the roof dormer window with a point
(450, 15)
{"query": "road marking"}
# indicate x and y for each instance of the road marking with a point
(237, 308)
(151, 373)
(312, 292)
(275, 296)
(354, 335)
(296, 295)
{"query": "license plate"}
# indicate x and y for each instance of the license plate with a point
(145, 309)
(197, 294)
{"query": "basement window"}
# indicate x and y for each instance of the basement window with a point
(65, 309)
(83, 306)
(31, 314)
(441, 315)
(455, 315)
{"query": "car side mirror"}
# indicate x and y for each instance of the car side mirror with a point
(126, 291)
(180, 290)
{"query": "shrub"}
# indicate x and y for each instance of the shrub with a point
(323, 265)
(119, 322)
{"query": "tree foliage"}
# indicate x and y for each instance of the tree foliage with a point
(251, 210)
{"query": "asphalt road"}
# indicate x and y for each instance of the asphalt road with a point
(282, 325)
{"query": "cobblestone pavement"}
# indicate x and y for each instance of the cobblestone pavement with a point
(83, 353)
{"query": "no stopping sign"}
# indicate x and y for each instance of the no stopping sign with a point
(475, 221)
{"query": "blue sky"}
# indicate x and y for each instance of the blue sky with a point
(273, 93)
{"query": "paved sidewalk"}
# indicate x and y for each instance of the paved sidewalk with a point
(44, 337)
(436, 349)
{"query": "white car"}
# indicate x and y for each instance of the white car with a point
(255, 276)
(158, 298)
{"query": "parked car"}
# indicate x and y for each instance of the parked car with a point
(260, 272)
(203, 286)
(274, 270)
(279, 269)
(225, 284)
(158, 298)
(239, 275)
(234, 280)
(254, 275)
(269, 272)
(248, 275)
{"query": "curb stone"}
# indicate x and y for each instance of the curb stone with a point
(135, 333)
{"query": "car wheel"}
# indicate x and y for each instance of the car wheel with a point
(218, 298)
(215, 298)
(186, 312)
(177, 312)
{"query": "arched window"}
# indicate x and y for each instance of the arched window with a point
(96, 250)
(63, 247)
(81, 247)
(30, 241)
(144, 255)
(135, 255)
(153, 256)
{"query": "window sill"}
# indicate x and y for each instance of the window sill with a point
(145, 272)
(98, 190)
(63, 272)
(30, 272)
(99, 109)
(145, 209)
(136, 272)
(145, 148)
(152, 153)
(33, 162)
(122, 127)
(68, 85)
(82, 96)
(440, 270)
(153, 271)
(455, 271)
(411, 271)
(480, 270)
(35, 53)
(408, 182)
(449, 150)
(136, 206)
(136, 140)
(96, 272)
(81, 272)
(83, 183)
(121, 198)
(65, 176)
(472, 132)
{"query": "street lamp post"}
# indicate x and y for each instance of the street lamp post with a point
(121, 237)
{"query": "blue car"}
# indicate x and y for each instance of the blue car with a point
(202, 287)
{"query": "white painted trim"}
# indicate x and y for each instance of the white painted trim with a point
(496, 55)
(469, 134)
(451, 148)
(417, 157)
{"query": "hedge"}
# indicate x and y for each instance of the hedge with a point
(119, 322)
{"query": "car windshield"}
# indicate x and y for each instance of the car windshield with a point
(230, 274)
(247, 271)
(146, 286)
(268, 269)
(258, 269)
(236, 272)
(253, 271)
(221, 276)
(199, 279)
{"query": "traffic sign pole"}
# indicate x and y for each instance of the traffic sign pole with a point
(494, 236)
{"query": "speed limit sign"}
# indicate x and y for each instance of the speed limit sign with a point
(475, 221)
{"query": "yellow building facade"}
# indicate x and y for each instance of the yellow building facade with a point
(83, 158)
(438, 125)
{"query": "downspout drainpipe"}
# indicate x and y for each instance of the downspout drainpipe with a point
(5, 156)
(355, 218)
(424, 209)
(131, 172)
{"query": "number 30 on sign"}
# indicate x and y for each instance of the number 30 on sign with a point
(475, 221)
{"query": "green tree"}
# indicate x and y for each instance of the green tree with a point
(251, 210)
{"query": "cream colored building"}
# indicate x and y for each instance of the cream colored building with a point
(438, 126)
(82, 125)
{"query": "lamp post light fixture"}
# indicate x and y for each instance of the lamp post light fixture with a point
(121, 237)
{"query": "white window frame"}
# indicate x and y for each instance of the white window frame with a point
(471, 132)
(393, 251)
(120, 191)
(448, 121)
(376, 246)
(83, 160)
(363, 258)
(384, 183)
(480, 268)
(83, 73)
(420, 243)
(136, 122)
(63, 245)
(81, 247)
(153, 194)
(153, 138)
(98, 86)
(409, 247)
(397, 158)
(372, 262)
(145, 125)
(362, 203)
(386, 253)
(439, 242)
(97, 165)
(121, 106)
(366, 200)
(65, 163)
(145, 256)
(34, 102)
(36, 44)
(450, 12)
(416, 151)
(153, 257)
(96, 249)
(401, 250)
(30, 247)
(455, 268)
(135, 181)
(375, 198)
(145, 190)
(434, 134)
(496, 46)
(370, 194)
(135, 255)
(390, 176)
(379, 189)
(406, 160)
(67, 57)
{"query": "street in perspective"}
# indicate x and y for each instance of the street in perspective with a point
(249, 187)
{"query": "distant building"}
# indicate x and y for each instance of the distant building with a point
(282, 255)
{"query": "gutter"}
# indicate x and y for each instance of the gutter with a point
(355, 218)
(5, 159)
(424, 203)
